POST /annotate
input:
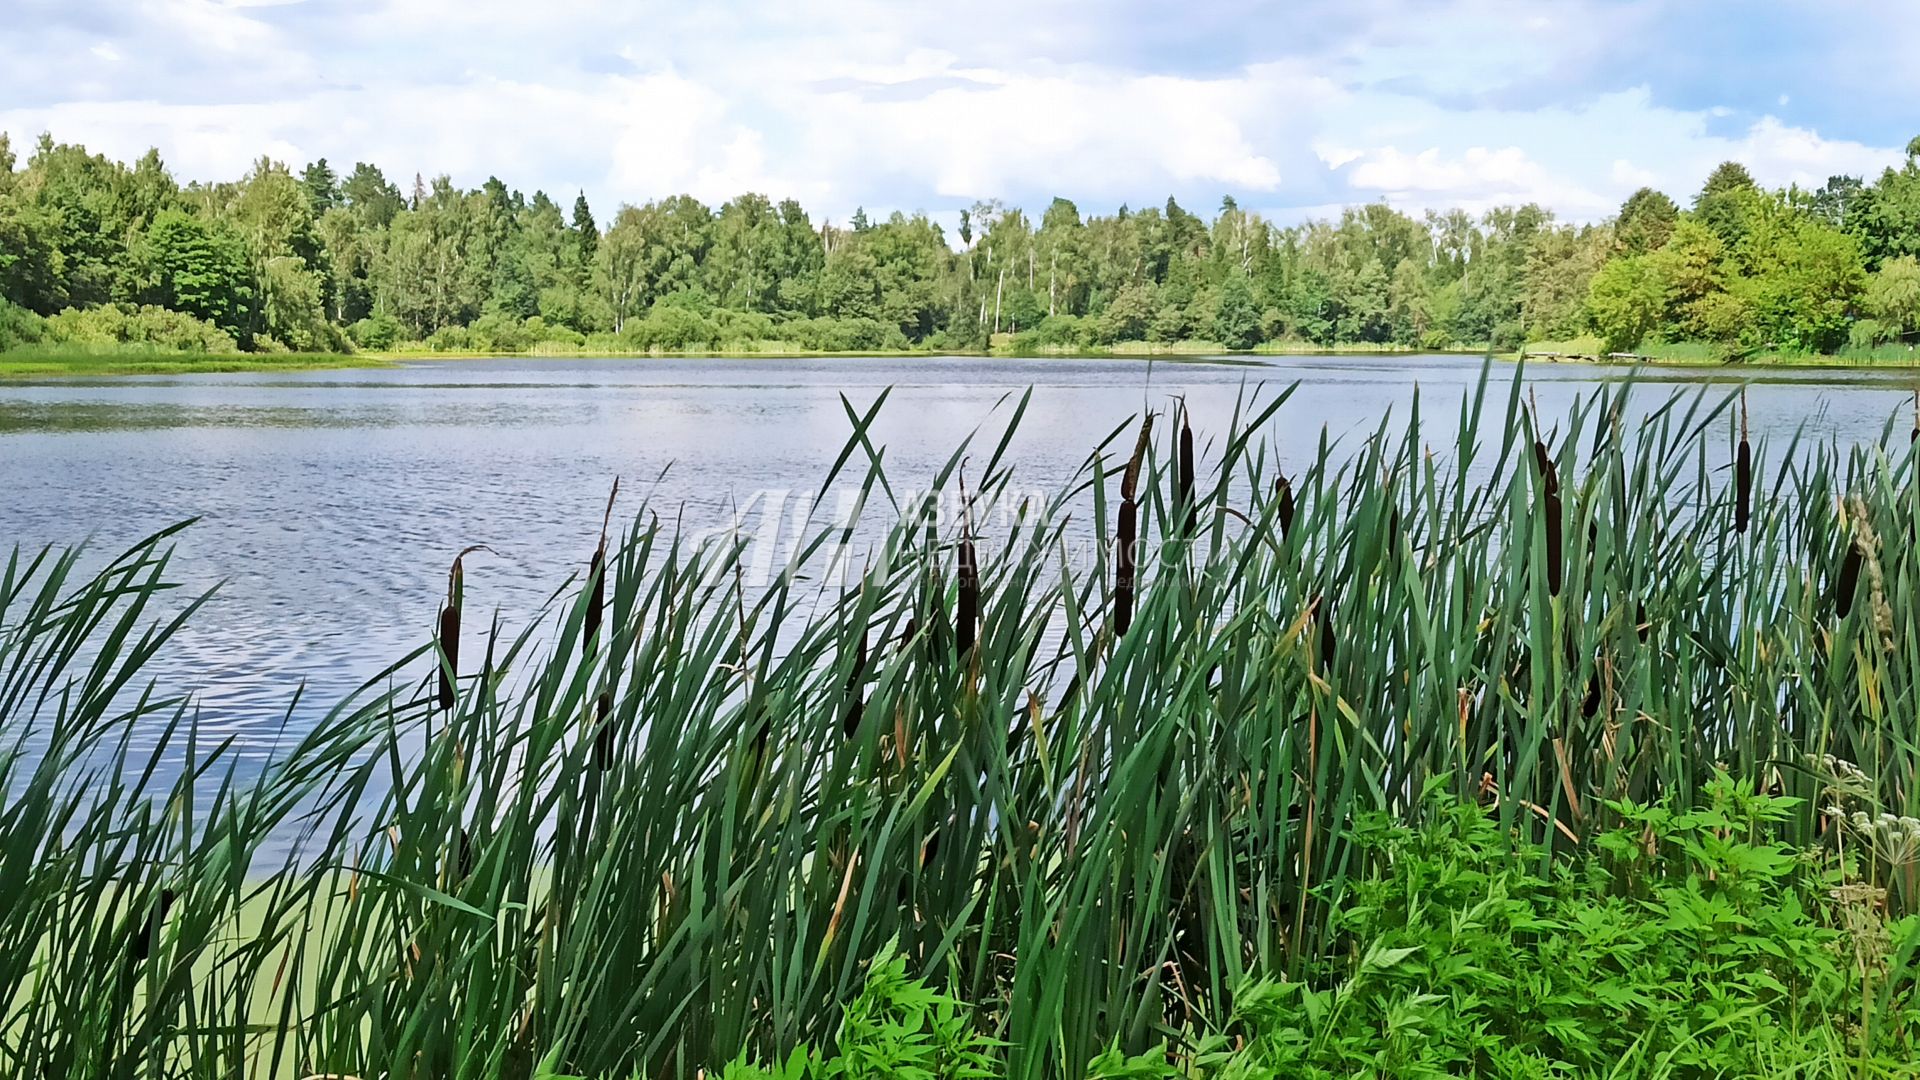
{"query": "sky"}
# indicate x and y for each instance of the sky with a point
(1293, 109)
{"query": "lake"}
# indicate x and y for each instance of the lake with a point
(330, 503)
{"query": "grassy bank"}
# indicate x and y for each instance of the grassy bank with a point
(1704, 354)
(1586, 750)
(82, 361)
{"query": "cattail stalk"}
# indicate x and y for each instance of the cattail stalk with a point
(1283, 495)
(1124, 539)
(967, 617)
(857, 708)
(1743, 475)
(1551, 509)
(449, 639)
(1323, 619)
(149, 932)
(1849, 582)
(1183, 495)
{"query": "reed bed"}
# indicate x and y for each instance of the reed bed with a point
(671, 823)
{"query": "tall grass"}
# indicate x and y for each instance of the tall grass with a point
(672, 823)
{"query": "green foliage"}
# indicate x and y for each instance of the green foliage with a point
(1626, 301)
(1689, 943)
(1893, 295)
(378, 332)
(281, 261)
(145, 327)
(200, 268)
(1236, 322)
(18, 327)
(1645, 222)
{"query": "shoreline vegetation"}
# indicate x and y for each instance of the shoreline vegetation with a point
(99, 254)
(41, 362)
(1584, 754)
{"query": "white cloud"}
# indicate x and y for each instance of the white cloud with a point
(847, 102)
(1778, 154)
(1477, 178)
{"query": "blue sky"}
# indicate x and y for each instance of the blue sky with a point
(1293, 109)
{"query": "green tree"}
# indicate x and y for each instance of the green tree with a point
(1645, 222)
(201, 268)
(367, 192)
(1236, 322)
(1725, 204)
(323, 187)
(1893, 295)
(1626, 301)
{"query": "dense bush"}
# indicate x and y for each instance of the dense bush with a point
(149, 327)
(378, 332)
(18, 326)
(844, 335)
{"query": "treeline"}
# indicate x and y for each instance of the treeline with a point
(96, 251)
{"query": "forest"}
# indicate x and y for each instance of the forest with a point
(98, 253)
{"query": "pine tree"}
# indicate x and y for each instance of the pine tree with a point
(586, 233)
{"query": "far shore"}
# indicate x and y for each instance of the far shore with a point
(31, 364)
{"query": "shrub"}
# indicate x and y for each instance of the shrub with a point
(450, 339)
(1686, 938)
(147, 327)
(18, 326)
(495, 332)
(379, 332)
(826, 334)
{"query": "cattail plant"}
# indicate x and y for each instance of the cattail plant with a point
(149, 933)
(1742, 475)
(966, 620)
(1124, 542)
(1183, 499)
(856, 708)
(1551, 511)
(1849, 581)
(597, 572)
(1323, 622)
(1126, 532)
(449, 637)
(1283, 500)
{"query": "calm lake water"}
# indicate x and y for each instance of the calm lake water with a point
(330, 503)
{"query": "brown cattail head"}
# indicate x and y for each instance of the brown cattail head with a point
(856, 708)
(1743, 487)
(449, 651)
(603, 731)
(1849, 582)
(1549, 474)
(597, 571)
(1124, 538)
(1130, 482)
(1323, 619)
(1183, 495)
(149, 934)
(597, 600)
(449, 638)
(967, 616)
(1283, 495)
(1556, 554)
